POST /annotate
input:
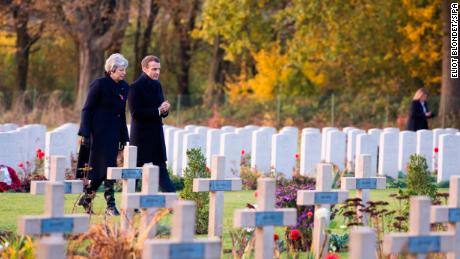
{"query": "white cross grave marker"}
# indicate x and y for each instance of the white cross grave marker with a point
(217, 184)
(54, 222)
(265, 217)
(322, 197)
(451, 214)
(128, 174)
(419, 241)
(363, 182)
(57, 174)
(182, 244)
(149, 199)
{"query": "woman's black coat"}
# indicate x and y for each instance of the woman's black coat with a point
(103, 119)
(145, 97)
(417, 119)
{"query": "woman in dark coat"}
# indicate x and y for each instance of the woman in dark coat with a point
(418, 111)
(103, 129)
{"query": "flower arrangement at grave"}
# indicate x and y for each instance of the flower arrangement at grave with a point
(298, 237)
(30, 172)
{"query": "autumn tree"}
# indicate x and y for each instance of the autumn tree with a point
(147, 12)
(94, 26)
(28, 29)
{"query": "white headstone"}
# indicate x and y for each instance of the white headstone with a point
(351, 147)
(56, 145)
(391, 130)
(245, 136)
(375, 133)
(311, 130)
(324, 143)
(203, 131)
(449, 162)
(190, 128)
(388, 154)
(178, 146)
(10, 153)
(365, 144)
(169, 142)
(310, 152)
(425, 146)
(261, 150)
(228, 129)
(212, 144)
(407, 147)
(281, 162)
(230, 147)
(336, 148)
(436, 133)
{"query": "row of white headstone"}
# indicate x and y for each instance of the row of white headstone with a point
(269, 150)
(389, 148)
(19, 144)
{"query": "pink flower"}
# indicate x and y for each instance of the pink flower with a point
(309, 214)
(296, 156)
(243, 152)
(21, 165)
(294, 235)
(436, 150)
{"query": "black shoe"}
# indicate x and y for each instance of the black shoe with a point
(86, 202)
(112, 211)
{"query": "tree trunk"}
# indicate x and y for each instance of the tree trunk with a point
(23, 43)
(215, 85)
(91, 66)
(450, 87)
(143, 41)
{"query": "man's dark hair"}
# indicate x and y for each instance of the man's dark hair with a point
(145, 62)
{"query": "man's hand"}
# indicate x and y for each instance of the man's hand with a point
(428, 114)
(164, 107)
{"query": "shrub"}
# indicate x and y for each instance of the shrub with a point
(419, 181)
(196, 168)
(249, 178)
(178, 182)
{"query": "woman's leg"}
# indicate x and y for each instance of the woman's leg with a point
(88, 196)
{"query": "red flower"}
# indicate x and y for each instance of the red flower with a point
(436, 150)
(255, 194)
(332, 256)
(296, 156)
(243, 152)
(40, 154)
(276, 237)
(27, 163)
(309, 214)
(294, 235)
(21, 165)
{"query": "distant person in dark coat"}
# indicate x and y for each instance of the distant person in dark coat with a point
(103, 129)
(418, 112)
(148, 106)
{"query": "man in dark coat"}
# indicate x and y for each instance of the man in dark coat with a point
(103, 129)
(418, 112)
(148, 106)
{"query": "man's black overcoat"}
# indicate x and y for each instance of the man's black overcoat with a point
(145, 97)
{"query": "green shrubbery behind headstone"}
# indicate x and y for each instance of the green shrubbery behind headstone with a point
(419, 181)
(196, 168)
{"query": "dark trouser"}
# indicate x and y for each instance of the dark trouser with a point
(109, 193)
(165, 183)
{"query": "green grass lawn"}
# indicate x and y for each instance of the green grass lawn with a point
(14, 205)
